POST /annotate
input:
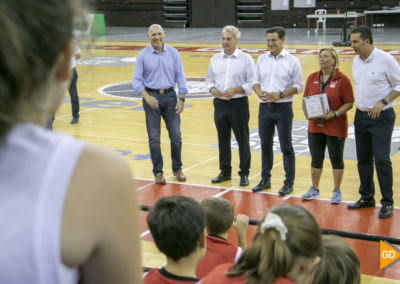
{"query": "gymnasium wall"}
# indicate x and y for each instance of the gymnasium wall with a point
(217, 13)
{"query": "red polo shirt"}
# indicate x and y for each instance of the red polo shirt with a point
(340, 92)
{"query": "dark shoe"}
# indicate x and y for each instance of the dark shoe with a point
(244, 180)
(264, 184)
(362, 204)
(386, 211)
(285, 189)
(180, 176)
(159, 179)
(220, 178)
(75, 120)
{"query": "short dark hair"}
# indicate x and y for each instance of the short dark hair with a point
(219, 214)
(176, 223)
(279, 30)
(365, 33)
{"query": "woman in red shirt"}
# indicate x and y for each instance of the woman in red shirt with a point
(284, 250)
(330, 130)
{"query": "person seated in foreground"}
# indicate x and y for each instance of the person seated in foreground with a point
(285, 250)
(68, 209)
(339, 263)
(177, 224)
(220, 218)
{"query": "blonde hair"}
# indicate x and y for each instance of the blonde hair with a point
(270, 257)
(220, 214)
(232, 30)
(333, 52)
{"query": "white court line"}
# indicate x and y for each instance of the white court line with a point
(277, 164)
(222, 192)
(138, 139)
(65, 115)
(145, 233)
(183, 170)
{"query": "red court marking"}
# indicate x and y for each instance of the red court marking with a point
(255, 205)
(149, 195)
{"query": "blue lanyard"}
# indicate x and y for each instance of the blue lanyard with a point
(321, 83)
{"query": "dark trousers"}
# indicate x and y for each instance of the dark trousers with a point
(73, 92)
(317, 143)
(281, 116)
(233, 115)
(167, 103)
(373, 142)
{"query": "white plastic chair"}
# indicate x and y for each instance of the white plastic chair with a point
(321, 19)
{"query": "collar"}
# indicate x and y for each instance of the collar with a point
(371, 56)
(336, 76)
(154, 51)
(283, 53)
(169, 275)
(234, 54)
(216, 236)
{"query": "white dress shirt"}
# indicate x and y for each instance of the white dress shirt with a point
(277, 74)
(375, 78)
(229, 71)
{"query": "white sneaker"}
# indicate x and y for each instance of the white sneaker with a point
(336, 196)
(311, 194)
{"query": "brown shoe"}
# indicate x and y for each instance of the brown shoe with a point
(160, 178)
(180, 176)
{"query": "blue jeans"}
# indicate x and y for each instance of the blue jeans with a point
(373, 141)
(166, 110)
(281, 116)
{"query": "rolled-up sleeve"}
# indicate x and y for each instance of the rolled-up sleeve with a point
(180, 74)
(137, 80)
(210, 79)
(297, 76)
(251, 77)
(394, 73)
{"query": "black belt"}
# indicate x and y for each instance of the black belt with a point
(363, 111)
(159, 91)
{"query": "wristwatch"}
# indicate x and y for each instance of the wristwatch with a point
(281, 95)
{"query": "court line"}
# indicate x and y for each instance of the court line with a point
(65, 115)
(277, 164)
(138, 139)
(186, 169)
(228, 189)
(145, 233)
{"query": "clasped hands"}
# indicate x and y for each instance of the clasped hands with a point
(268, 97)
(227, 95)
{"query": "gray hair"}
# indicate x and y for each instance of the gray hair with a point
(232, 30)
(155, 25)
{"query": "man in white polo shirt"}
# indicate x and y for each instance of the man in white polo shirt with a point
(376, 76)
(230, 75)
(279, 78)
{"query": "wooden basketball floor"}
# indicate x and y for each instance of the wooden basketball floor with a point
(112, 115)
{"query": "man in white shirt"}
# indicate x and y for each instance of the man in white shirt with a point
(230, 77)
(279, 78)
(376, 76)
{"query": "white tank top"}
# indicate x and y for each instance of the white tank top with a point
(35, 171)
